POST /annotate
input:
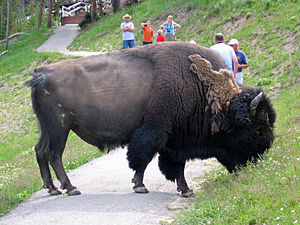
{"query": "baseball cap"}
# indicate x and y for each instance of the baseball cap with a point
(233, 42)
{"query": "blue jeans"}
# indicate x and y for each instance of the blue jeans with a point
(128, 43)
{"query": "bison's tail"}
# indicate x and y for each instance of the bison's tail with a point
(38, 79)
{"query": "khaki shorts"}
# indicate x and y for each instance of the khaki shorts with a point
(170, 37)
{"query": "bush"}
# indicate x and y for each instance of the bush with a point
(87, 20)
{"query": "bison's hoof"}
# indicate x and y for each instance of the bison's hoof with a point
(141, 190)
(188, 194)
(55, 192)
(73, 192)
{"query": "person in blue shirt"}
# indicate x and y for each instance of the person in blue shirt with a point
(242, 61)
(226, 52)
(170, 28)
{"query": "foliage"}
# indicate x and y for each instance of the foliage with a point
(87, 20)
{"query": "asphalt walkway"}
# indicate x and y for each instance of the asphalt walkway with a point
(107, 197)
(61, 39)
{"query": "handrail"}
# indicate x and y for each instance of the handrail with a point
(71, 10)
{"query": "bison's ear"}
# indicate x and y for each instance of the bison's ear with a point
(255, 102)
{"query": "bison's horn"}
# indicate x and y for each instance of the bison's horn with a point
(254, 103)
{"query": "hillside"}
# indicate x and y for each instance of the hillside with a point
(268, 32)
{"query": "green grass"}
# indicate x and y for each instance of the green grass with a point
(265, 193)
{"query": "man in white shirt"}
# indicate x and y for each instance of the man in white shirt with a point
(226, 52)
(128, 32)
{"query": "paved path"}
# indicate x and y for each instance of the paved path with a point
(61, 39)
(107, 196)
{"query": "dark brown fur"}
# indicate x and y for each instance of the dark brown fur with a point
(147, 97)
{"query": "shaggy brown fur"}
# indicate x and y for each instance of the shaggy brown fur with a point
(222, 87)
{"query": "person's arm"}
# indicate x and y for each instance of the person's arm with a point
(244, 64)
(178, 27)
(236, 63)
(143, 24)
(123, 28)
(162, 27)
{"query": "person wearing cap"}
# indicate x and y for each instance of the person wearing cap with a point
(160, 37)
(226, 52)
(242, 60)
(170, 28)
(148, 33)
(127, 28)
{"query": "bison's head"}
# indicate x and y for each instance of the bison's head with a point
(252, 118)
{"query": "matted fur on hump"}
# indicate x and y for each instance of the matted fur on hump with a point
(222, 88)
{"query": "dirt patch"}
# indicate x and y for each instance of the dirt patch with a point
(234, 25)
(291, 44)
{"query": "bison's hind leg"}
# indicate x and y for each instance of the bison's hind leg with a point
(175, 171)
(44, 167)
(54, 132)
(144, 145)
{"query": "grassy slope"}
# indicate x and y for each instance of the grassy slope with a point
(19, 173)
(268, 33)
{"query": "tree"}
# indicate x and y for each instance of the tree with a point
(7, 24)
(93, 9)
(116, 5)
(31, 7)
(100, 5)
(42, 5)
(2, 17)
(50, 14)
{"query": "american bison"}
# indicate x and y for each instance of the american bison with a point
(167, 98)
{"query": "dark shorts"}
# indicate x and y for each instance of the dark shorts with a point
(147, 43)
(128, 43)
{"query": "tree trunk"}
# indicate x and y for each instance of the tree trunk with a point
(31, 7)
(93, 10)
(7, 24)
(41, 14)
(116, 5)
(100, 4)
(21, 12)
(1, 18)
(50, 14)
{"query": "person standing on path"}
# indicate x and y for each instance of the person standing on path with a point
(226, 52)
(148, 33)
(128, 32)
(242, 60)
(170, 28)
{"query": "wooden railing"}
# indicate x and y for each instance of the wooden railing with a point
(72, 10)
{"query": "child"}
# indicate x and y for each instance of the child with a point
(160, 37)
(148, 33)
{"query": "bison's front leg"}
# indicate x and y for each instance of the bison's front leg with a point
(139, 187)
(141, 150)
(181, 183)
(175, 171)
